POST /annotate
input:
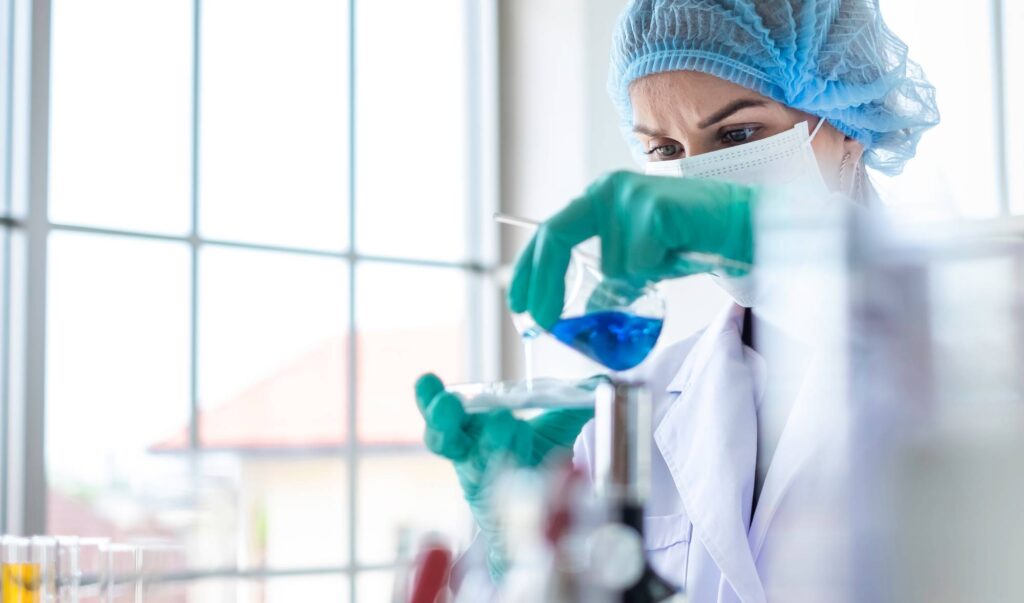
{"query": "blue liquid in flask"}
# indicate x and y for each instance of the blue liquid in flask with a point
(617, 340)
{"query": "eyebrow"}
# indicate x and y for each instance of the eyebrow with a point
(728, 110)
(647, 130)
(723, 113)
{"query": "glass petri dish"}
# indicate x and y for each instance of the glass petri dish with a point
(520, 394)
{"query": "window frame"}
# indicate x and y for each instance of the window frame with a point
(23, 488)
(1000, 118)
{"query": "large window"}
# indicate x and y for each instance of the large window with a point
(260, 221)
(9, 412)
(970, 165)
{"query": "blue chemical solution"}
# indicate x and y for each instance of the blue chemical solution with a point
(617, 340)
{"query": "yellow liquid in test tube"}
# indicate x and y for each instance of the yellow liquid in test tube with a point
(20, 583)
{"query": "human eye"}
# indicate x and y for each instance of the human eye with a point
(739, 135)
(664, 152)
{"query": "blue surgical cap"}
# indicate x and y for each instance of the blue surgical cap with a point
(831, 58)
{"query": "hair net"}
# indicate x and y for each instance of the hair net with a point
(831, 58)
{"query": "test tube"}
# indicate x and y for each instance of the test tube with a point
(19, 582)
(120, 579)
(28, 569)
(67, 573)
(79, 568)
(162, 566)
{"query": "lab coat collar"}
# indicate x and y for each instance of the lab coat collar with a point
(814, 414)
(708, 439)
(729, 318)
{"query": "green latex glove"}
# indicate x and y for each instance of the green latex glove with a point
(643, 222)
(480, 443)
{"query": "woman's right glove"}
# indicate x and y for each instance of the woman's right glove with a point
(479, 444)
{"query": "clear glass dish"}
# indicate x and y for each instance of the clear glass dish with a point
(520, 394)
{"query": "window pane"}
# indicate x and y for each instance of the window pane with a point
(274, 122)
(387, 487)
(256, 511)
(954, 171)
(330, 589)
(1013, 69)
(222, 591)
(6, 32)
(411, 320)
(292, 589)
(272, 390)
(376, 586)
(411, 135)
(120, 131)
(271, 351)
(117, 377)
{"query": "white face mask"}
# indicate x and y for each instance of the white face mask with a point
(785, 160)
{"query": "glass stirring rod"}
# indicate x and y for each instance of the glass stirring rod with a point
(714, 261)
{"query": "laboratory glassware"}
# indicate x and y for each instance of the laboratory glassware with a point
(161, 565)
(527, 394)
(68, 570)
(80, 568)
(614, 322)
(120, 577)
(28, 571)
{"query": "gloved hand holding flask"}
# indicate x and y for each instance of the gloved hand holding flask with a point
(646, 225)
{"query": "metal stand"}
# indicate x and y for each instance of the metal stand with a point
(622, 481)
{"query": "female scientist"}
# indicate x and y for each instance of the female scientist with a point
(736, 96)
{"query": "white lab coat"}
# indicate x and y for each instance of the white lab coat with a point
(698, 528)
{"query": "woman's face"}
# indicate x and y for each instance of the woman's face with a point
(685, 113)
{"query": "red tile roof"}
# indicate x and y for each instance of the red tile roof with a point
(304, 404)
